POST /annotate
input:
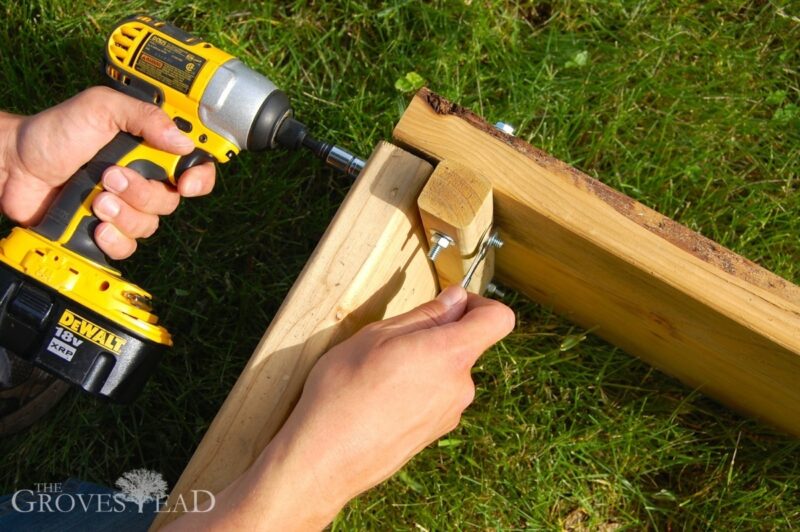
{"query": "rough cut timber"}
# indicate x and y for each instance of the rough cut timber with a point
(679, 301)
(457, 202)
(370, 264)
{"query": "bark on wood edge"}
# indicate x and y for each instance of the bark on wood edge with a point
(671, 231)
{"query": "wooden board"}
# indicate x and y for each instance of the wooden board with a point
(658, 290)
(457, 202)
(370, 264)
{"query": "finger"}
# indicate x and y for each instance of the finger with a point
(124, 113)
(485, 322)
(113, 243)
(197, 181)
(145, 195)
(475, 301)
(463, 341)
(129, 221)
(448, 306)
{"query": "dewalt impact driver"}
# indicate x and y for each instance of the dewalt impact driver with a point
(62, 306)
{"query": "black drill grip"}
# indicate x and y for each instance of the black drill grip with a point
(80, 186)
(68, 201)
(85, 184)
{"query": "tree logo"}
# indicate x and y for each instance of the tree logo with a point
(141, 486)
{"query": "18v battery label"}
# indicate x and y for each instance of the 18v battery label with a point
(62, 349)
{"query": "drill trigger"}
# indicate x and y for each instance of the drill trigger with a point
(195, 158)
(149, 170)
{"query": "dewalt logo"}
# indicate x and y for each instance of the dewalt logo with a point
(91, 331)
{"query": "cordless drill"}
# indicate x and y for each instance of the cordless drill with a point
(62, 306)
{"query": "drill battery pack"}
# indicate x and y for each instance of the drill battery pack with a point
(80, 346)
(76, 319)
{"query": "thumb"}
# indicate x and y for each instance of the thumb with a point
(142, 119)
(448, 307)
(461, 342)
(150, 122)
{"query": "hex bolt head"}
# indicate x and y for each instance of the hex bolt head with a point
(439, 242)
(505, 128)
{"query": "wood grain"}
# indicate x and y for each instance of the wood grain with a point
(660, 291)
(370, 264)
(457, 202)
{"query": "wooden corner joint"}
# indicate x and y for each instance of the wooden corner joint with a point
(654, 288)
(456, 208)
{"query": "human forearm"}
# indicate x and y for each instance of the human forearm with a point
(368, 406)
(278, 492)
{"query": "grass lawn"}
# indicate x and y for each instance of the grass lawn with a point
(693, 110)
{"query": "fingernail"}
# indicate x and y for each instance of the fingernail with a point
(106, 234)
(192, 188)
(178, 139)
(108, 206)
(451, 296)
(115, 181)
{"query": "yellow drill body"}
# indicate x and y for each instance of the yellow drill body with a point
(223, 107)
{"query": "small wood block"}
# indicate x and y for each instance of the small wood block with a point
(457, 202)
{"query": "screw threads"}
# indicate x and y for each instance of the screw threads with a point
(495, 241)
(433, 253)
(439, 241)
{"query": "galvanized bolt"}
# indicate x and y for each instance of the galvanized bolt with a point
(495, 241)
(439, 242)
(493, 290)
(505, 128)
